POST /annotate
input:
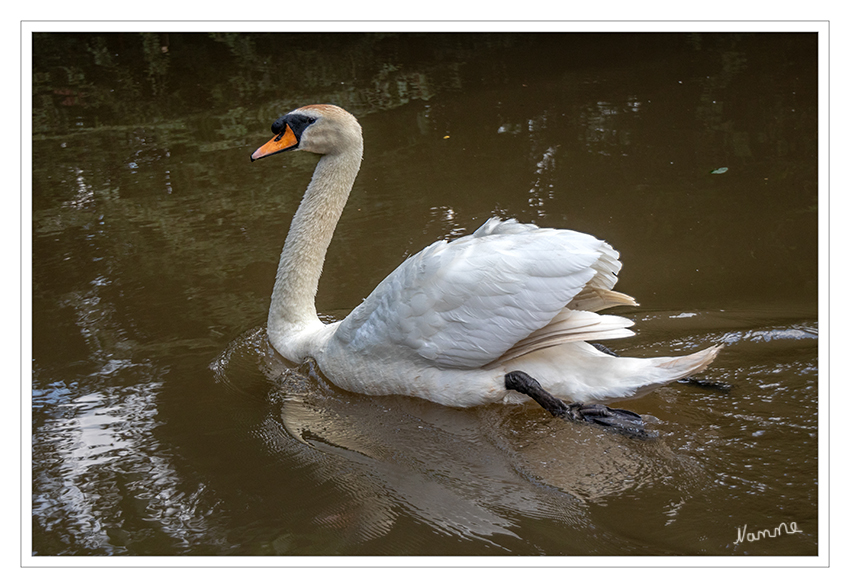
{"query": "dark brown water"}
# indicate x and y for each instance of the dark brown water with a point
(162, 422)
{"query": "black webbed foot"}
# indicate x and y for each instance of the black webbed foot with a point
(618, 419)
(604, 349)
(624, 421)
(721, 386)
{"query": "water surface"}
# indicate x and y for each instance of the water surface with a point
(163, 423)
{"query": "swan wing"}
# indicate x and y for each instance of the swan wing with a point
(465, 303)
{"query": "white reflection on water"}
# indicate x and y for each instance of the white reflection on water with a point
(99, 472)
(771, 335)
(106, 473)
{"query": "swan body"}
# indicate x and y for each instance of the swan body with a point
(452, 320)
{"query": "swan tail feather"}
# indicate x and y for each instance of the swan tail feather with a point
(596, 299)
(690, 364)
(578, 372)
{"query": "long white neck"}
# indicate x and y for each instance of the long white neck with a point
(293, 304)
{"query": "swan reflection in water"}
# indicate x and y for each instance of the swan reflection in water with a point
(474, 473)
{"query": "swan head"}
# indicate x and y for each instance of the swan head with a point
(321, 128)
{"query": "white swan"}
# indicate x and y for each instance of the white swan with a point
(452, 321)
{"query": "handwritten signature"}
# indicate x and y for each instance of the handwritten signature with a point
(788, 529)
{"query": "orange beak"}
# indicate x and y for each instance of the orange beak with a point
(282, 142)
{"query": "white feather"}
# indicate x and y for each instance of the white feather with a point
(463, 304)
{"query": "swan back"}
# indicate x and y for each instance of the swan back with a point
(465, 303)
